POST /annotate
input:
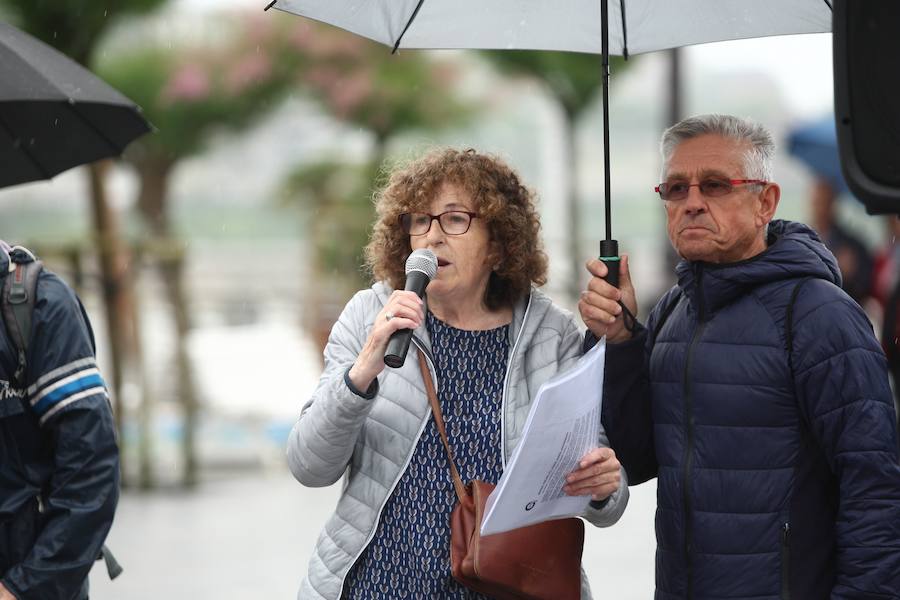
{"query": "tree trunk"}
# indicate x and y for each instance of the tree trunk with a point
(573, 207)
(154, 175)
(168, 255)
(172, 270)
(76, 266)
(324, 301)
(121, 320)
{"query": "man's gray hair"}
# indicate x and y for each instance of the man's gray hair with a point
(758, 158)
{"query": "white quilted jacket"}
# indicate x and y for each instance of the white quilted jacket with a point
(372, 441)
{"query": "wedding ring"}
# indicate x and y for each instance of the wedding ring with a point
(388, 316)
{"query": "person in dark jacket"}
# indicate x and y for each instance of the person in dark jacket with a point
(853, 258)
(756, 393)
(59, 475)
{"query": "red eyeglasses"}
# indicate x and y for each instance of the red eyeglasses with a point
(711, 187)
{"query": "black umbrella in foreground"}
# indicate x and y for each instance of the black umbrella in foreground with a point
(54, 113)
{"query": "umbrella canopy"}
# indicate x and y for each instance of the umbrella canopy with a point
(634, 25)
(606, 27)
(815, 144)
(55, 114)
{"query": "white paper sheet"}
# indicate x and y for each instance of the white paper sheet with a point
(562, 426)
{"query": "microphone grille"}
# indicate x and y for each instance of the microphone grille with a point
(424, 261)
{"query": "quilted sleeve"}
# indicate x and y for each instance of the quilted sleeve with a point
(627, 397)
(322, 441)
(843, 391)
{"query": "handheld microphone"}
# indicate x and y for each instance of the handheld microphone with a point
(421, 267)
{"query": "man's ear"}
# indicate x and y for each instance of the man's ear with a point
(768, 204)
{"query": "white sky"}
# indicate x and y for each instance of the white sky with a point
(801, 64)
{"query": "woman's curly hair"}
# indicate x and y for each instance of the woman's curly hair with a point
(500, 199)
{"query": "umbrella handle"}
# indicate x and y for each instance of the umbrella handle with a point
(609, 255)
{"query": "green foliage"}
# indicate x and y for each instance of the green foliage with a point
(573, 78)
(336, 199)
(141, 76)
(74, 26)
(361, 83)
(188, 93)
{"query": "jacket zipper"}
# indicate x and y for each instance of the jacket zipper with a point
(786, 561)
(506, 385)
(430, 361)
(689, 429)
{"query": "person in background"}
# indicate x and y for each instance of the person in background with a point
(756, 394)
(886, 292)
(490, 337)
(59, 475)
(854, 259)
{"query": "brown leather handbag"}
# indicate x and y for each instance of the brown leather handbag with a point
(538, 562)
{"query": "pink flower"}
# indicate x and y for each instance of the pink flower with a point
(302, 37)
(320, 43)
(246, 72)
(351, 92)
(322, 78)
(349, 47)
(444, 74)
(258, 29)
(190, 83)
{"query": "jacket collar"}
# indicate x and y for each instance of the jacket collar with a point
(794, 250)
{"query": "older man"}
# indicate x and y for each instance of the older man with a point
(756, 394)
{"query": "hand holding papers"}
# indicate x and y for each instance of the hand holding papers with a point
(563, 425)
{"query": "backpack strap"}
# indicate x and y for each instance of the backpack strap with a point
(789, 342)
(113, 568)
(17, 301)
(665, 314)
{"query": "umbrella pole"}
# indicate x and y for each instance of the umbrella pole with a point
(609, 248)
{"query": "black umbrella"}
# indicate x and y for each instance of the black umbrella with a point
(54, 113)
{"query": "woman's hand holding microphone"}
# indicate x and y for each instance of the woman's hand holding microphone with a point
(404, 310)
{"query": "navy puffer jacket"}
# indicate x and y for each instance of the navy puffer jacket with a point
(59, 462)
(774, 482)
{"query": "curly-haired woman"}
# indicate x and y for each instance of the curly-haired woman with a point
(491, 338)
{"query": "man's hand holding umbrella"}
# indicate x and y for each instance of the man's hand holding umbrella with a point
(601, 303)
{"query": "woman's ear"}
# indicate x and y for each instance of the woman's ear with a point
(495, 256)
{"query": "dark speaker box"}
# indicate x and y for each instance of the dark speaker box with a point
(867, 99)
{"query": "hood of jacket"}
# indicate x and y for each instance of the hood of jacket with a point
(794, 251)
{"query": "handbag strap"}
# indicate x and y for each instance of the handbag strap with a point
(439, 421)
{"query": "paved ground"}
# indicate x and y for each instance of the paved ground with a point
(250, 536)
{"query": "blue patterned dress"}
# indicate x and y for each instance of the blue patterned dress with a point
(409, 556)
